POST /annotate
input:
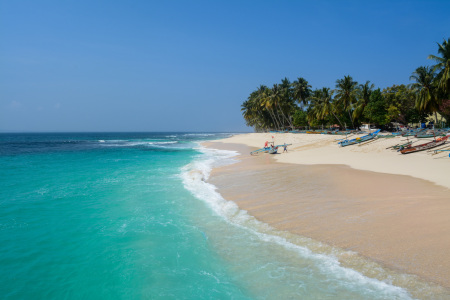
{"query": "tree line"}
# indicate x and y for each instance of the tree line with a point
(289, 105)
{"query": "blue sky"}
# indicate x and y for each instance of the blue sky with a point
(189, 65)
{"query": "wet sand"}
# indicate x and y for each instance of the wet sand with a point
(398, 221)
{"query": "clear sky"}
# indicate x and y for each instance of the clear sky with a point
(189, 65)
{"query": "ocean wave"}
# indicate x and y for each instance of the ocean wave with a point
(130, 143)
(162, 143)
(199, 134)
(195, 176)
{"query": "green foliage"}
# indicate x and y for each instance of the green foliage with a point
(375, 111)
(392, 113)
(365, 90)
(442, 66)
(300, 118)
(415, 116)
(347, 91)
(403, 98)
(445, 109)
(288, 105)
(426, 89)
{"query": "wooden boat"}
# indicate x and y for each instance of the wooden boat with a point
(359, 139)
(270, 149)
(398, 146)
(432, 144)
(386, 136)
(273, 150)
(430, 134)
(437, 151)
(413, 132)
(264, 149)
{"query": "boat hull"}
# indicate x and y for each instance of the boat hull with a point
(359, 140)
(426, 146)
(273, 150)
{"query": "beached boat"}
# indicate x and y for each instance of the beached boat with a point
(412, 132)
(273, 150)
(359, 140)
(269, 149)
(262, 150)
(402, 146)
(432, 144)
(387, 136)
(430, 134)
(442, 150)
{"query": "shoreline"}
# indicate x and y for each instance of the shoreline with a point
(395, 220)
(313, 149)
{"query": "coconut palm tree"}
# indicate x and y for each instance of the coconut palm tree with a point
(301, 90)
(443, 65)
(252, 112)
(287, 104)
(280, 102)
(347, 94)
(364, 95)
(265, 100)
(326, 107)
(425, 89)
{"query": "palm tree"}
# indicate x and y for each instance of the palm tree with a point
(252, 112)
(280, 102)
(315, 107)
(265, 104)
(346, 94)
(364, 95)
(301, 90)
(425, 89)
(443, 65)
(327, 107)
(287, 104)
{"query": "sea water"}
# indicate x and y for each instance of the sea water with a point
(132, 216)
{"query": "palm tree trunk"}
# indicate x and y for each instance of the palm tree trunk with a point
(286, 118)
(337, 119)
(351, 119)
(274, 118)
(435, 118)
(278, 118)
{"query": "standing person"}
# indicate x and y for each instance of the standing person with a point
(285, 148)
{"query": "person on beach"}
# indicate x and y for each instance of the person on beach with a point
(285, 148)
(265, 145)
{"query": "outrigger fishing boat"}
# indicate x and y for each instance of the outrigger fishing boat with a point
(430, 134)
(400, 146)
(262, 150)
(272, 149)
(432, 144)
(441, 150)
(359, 140)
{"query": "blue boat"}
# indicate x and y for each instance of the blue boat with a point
(359, 140)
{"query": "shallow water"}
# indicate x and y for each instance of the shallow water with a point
(131, 216)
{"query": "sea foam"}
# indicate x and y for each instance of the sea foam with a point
(195, 176)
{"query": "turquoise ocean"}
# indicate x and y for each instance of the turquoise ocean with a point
(132, 216)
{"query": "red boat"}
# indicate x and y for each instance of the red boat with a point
(435, 143)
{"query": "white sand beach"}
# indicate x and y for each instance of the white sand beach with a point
(312, 149)
(388, 207)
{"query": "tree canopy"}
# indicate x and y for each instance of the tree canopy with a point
(289, 105)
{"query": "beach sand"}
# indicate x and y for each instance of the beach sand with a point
(353, 198)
